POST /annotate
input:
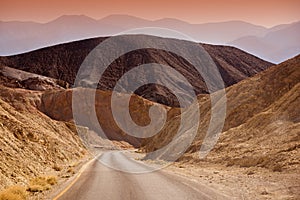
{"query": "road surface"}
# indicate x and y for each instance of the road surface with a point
(98, 182)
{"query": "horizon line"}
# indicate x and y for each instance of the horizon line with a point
(141, 18)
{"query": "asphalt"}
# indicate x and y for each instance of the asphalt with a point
(99, 182)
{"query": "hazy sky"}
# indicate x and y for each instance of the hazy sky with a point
(261, 12)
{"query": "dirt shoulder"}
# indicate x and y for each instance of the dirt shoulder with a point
(242, 183)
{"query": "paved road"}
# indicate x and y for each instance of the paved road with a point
(98, 182)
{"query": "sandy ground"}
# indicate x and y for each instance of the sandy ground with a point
(242, 183)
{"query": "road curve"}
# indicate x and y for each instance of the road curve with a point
(98, 182)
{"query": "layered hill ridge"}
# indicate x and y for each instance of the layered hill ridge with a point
(63, 61)
(262, 126)
(55, 101)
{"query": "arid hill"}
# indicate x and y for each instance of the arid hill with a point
(262, 126)
(32, 143)
(38, 136)
(63, 61)
(54, 99)
(58, 106)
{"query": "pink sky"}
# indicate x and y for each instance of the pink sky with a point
(262, 12)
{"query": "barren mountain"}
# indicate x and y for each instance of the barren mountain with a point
(262, 125)
(63, 61)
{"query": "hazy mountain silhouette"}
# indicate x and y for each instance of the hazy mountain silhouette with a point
(18, 37)
(23, 36)
(279, 44)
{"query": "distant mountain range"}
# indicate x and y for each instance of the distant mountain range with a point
(273, 44)
(277, 45)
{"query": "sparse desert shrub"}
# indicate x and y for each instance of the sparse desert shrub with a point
(13, 193)
(71, 170)
(57, 168)
(32, 137)
(74, 164)
(52, 180)
(41, 184)
(35, 188)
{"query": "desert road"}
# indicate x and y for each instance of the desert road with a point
(98, 182)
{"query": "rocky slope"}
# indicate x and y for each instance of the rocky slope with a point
(32, 143)
(63, 61)
(262, 126)
(55, 101)
(36, 141)
(37, 134)
(15, 78)
(58, 105)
